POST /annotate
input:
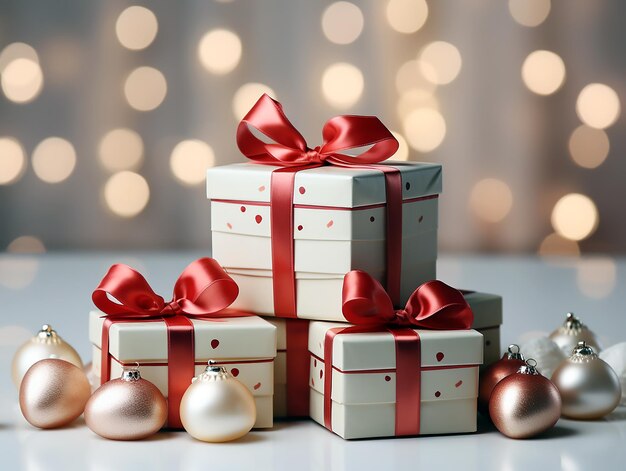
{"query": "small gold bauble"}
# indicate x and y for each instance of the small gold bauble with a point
(571, 332)
(216, 407)
(53, 393)
(128, 408)
(45, 344)
(589, 387)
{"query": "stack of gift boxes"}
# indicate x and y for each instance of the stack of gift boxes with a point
(288, 236)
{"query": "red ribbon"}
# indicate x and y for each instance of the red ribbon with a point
(288, 149)
(297, 351)
(433, 305)
(201, 292)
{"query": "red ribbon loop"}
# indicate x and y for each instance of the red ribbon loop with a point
(289, 149)
(202, 289)
(433, 305)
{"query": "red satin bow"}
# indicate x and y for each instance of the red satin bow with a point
(433, 305)
(202, 289)
(289, 149)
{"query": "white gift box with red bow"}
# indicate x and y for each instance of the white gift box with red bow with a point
(338, 225)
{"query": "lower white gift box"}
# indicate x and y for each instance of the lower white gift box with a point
(487, 309)
(245, 346)
(362, 401)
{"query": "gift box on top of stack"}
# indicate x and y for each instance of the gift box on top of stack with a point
(290, 224)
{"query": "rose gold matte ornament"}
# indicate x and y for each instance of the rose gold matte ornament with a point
(525, 403)
(571, 332)
(128, 408)
(45, 344)
(510, 363)
(216, 407)
(589, 387)
(53, 393)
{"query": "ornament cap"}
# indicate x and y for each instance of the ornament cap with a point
(530, 368)
(513, 353)
(47, 333)
(131, 373)
(583, 352)
(572, 322)
(213, 372)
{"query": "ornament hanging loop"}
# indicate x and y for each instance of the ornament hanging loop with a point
(513, 352)
(530, 368)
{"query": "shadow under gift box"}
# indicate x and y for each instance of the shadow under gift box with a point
(245, 346)
(364, 381)
(339, 225)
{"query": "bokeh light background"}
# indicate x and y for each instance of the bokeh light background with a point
(111, 111)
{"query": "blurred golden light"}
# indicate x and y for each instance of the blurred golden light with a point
(220, 51)
(121, 149)
(598, 105)
(54, 159)
(414, 99)
(22, 80)
(409, 77)
(126, 193)
(342, 22)
(190, 160)
(18, 272)
(543, 72)
(26, 244)
(440, 62)
(12, 160)
(402, 154)
(145, 88)
(136, 27)
(575, 217)
(529, 12)
(424, 129)
(589, 147)
(407, 16)
(555, 245)
(596, 277)
(342, 85)
(17, 51)
(247, 96)
(491, 200)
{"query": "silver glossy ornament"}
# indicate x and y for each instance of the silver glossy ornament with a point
(525, 403)
(216, 407)
(127, 408)
(589, 387)
(571, 332)
(45, 344)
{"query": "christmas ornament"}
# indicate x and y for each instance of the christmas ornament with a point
(546, 353)
(589, 387)
(216, 407)
(45, 344)
(53, 393)
(128, 408)
(571, 332)
(510, 362)
(615, 356)
(525, 403)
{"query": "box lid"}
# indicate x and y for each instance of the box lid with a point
(220, 339)
(323, 186)
(487, 309)
(374, 351)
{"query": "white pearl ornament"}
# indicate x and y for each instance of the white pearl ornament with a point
(216, 407)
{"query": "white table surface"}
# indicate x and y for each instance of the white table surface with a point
(56, 289)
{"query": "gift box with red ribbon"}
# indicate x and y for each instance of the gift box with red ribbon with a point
(396, 372)
(288, 225)
(173, 341)
(487, 310)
